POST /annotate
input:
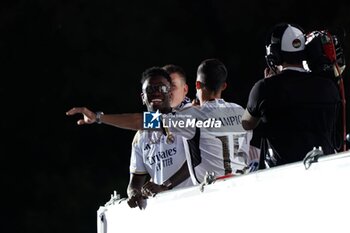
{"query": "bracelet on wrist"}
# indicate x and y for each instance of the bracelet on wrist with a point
(168, 184)
(98, 117)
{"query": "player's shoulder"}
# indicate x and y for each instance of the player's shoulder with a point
(233, 105)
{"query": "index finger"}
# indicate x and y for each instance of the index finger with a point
(75, 110)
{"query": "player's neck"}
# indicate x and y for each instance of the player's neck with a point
(209, 96)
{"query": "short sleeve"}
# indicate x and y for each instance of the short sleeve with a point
(256, 99)
(137, 165)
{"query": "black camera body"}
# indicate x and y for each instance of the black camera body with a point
(324, 54)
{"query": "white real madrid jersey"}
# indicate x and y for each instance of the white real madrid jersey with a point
(152, 154)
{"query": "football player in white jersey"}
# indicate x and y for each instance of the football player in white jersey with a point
(179, 100)
(217, 142)
(152, 153)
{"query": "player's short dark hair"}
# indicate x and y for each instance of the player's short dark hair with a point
(154, 72)
(171, 68)
(214, 73)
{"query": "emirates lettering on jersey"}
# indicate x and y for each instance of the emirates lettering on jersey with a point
(162, 158)
(232, 120)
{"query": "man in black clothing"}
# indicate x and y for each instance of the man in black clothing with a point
(297, 110)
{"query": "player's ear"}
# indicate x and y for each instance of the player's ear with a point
(186, 89)
(224, 85)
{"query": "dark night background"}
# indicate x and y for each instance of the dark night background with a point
(59, 54)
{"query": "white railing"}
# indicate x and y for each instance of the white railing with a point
(288, 198)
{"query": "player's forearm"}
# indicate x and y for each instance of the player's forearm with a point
(131, 121)
(135, 184)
